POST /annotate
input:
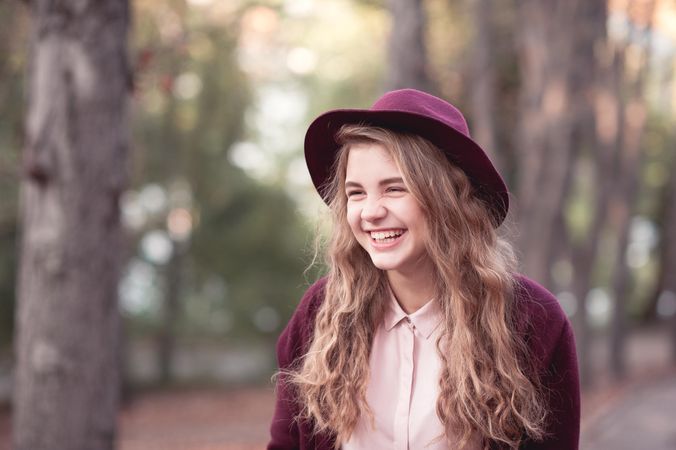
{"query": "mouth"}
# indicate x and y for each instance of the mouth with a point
(386, 236)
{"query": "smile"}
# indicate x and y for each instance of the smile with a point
(384, 237)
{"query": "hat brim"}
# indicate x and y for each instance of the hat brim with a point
(321, 148)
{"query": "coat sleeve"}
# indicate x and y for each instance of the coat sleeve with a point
(562, 386)
(553, 345)
(285, 431)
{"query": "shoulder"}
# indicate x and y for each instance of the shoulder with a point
(537, 302)
(551, 345)
(297, 334)
(540, 313)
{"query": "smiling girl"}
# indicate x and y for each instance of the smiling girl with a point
(422, 335)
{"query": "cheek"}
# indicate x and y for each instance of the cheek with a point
(353, 219)
(416, 219)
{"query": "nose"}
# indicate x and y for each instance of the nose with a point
(373, 210)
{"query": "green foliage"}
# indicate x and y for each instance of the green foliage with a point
(254, 241)
(191, 104)
(8, 263)
(12, 62)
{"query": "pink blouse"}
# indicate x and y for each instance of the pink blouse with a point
(404, 384)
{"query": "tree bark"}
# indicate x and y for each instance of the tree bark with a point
(483, 81)
(601, 135)
(668, 272)
(407, 49)
(622, 212)
(545, 134)
(634, 119)
(75, 169)
(594, 81)
(666, 221)
(171, 313)
(562, 97)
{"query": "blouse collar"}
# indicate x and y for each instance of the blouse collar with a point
(425, 320)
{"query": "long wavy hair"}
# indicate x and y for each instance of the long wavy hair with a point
(488, 390)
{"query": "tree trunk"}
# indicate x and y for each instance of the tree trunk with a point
(75, 160)
(171, 313)
(634, 119)
(622, 212)
(668, 279)
(666, 284)
(666, 221)
(482, 93)
(594, 81)
(562, 89)
(407, 49)
(545, 134)
(585, 252)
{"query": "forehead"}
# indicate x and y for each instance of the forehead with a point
(370, 161)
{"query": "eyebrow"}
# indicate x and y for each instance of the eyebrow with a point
(384, 182)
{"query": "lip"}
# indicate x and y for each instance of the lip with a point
(386, 245)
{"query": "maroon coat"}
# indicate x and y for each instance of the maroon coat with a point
(549, 336)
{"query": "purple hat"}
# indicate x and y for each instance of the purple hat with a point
(416, 112)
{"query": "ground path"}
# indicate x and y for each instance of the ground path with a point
(633, 415)
(641, 416)
(636, 414)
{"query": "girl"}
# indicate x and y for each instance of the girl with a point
(422, 335)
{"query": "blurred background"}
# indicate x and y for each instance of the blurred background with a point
(575, 100)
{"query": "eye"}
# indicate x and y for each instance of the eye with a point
(353, 193)
(396, 189)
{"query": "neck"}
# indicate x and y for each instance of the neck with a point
(412, 290)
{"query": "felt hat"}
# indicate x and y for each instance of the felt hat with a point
(416, 112)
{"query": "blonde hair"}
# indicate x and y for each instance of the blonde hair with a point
(487, 388)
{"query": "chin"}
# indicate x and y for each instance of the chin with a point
(382, 264)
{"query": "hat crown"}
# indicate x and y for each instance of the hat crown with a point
(422, 103)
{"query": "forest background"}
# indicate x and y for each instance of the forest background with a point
(574, 99)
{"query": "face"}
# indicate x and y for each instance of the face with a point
(385, 218)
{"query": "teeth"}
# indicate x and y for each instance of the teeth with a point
(381, 235)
